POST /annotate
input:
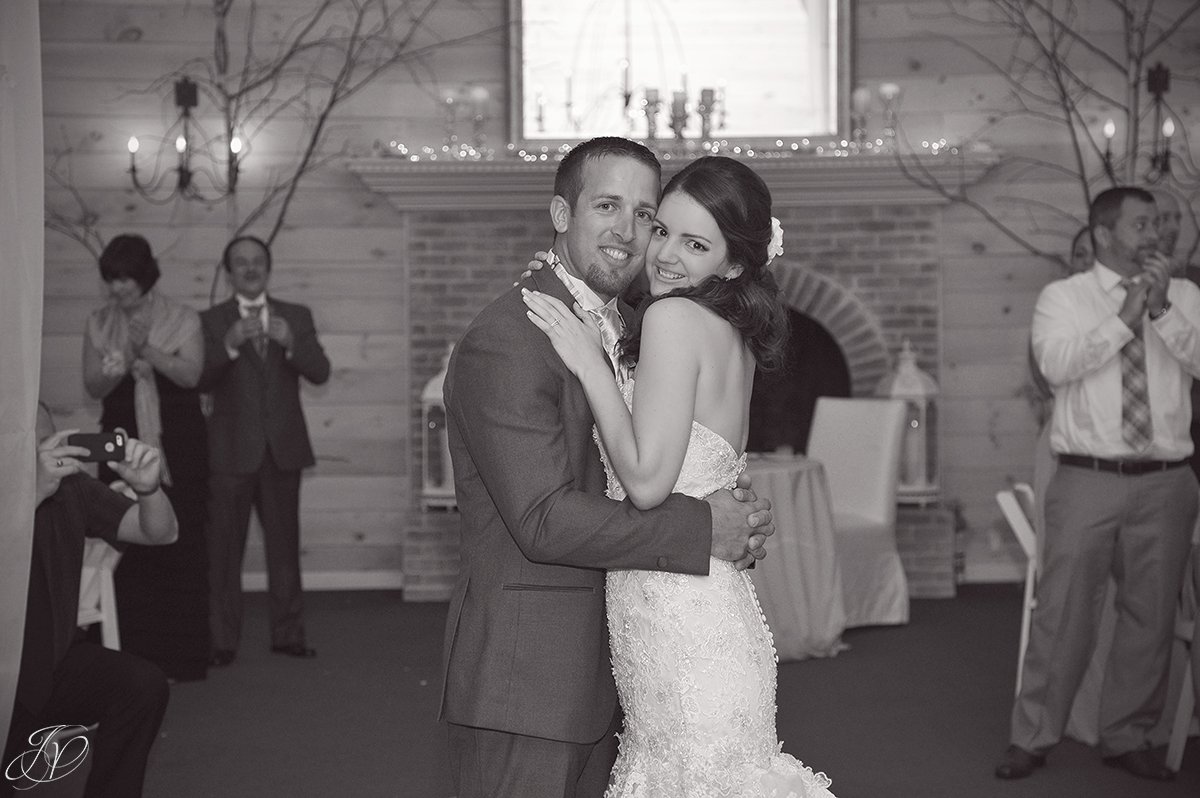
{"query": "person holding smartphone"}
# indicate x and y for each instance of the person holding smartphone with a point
(142, 357)
(65, 681)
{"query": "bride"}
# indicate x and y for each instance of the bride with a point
(694, 661)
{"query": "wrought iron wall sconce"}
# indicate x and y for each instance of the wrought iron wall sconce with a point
(193, 157)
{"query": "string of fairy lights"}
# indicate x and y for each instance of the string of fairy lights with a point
(803, 147)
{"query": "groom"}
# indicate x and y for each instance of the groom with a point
(528, 693)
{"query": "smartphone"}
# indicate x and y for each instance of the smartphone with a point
(103, 447)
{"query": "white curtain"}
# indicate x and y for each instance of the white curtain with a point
(22, 246)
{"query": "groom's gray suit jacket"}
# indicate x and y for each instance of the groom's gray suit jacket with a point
(526, 648)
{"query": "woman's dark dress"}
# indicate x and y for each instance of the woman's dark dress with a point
(162, 591)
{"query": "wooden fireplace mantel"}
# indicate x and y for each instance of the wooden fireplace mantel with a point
(804, 180)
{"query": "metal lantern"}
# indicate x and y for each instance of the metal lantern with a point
(437, 484)
(918, 478)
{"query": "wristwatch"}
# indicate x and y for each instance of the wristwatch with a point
(1156, 315)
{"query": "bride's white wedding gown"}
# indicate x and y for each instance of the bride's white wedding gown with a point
(695, 668)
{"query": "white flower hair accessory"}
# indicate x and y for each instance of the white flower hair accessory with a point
(775, 248)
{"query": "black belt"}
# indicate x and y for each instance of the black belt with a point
(1126, 468)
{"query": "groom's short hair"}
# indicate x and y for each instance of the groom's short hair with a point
(568, 180)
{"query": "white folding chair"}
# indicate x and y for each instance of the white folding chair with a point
(97, 595)
(1014, 503)
(1185, 710)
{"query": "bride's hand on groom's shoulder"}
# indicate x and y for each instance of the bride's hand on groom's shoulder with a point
(540, 259)
(575, 337)
(741, 524)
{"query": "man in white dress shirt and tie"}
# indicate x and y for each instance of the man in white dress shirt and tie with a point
(1119, 344)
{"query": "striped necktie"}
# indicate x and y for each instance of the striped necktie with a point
(1137, 429)
(608, 321)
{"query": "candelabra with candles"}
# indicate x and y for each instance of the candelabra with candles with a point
(890, 93)
(450, 124)
(541, 111)
(189, 145)
(650, 107)
(473, 101)
(479, 116)
(569, 104)
(860, 103)
(705, 111)
(679, 114)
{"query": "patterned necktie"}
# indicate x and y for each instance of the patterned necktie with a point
(608, 319)
(1137, 430)
(254, 311)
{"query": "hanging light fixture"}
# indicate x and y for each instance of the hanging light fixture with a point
(193, 157)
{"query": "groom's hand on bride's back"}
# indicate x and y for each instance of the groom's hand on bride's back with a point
(741, 523)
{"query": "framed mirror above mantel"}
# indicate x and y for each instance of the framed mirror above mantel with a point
(762, 80)
(753, 71)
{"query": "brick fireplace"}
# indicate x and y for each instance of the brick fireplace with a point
(861, 257)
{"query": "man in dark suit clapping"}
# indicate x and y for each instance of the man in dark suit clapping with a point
(256, 350)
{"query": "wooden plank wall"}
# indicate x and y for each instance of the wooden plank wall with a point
(343, 250)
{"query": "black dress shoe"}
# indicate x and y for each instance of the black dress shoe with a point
(295, 650)
(221, 657)
(1141, 763)
(1018, 763)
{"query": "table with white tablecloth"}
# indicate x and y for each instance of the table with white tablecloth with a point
(798, 583)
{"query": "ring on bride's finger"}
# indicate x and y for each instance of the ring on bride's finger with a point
(58, 463)
(554, 322)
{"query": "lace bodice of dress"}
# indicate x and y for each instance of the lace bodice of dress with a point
(709, 465)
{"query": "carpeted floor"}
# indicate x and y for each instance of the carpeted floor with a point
(919, 711)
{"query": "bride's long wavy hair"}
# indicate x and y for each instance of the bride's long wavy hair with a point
(740, 203)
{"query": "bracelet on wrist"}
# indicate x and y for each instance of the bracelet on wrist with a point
(151, 492)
